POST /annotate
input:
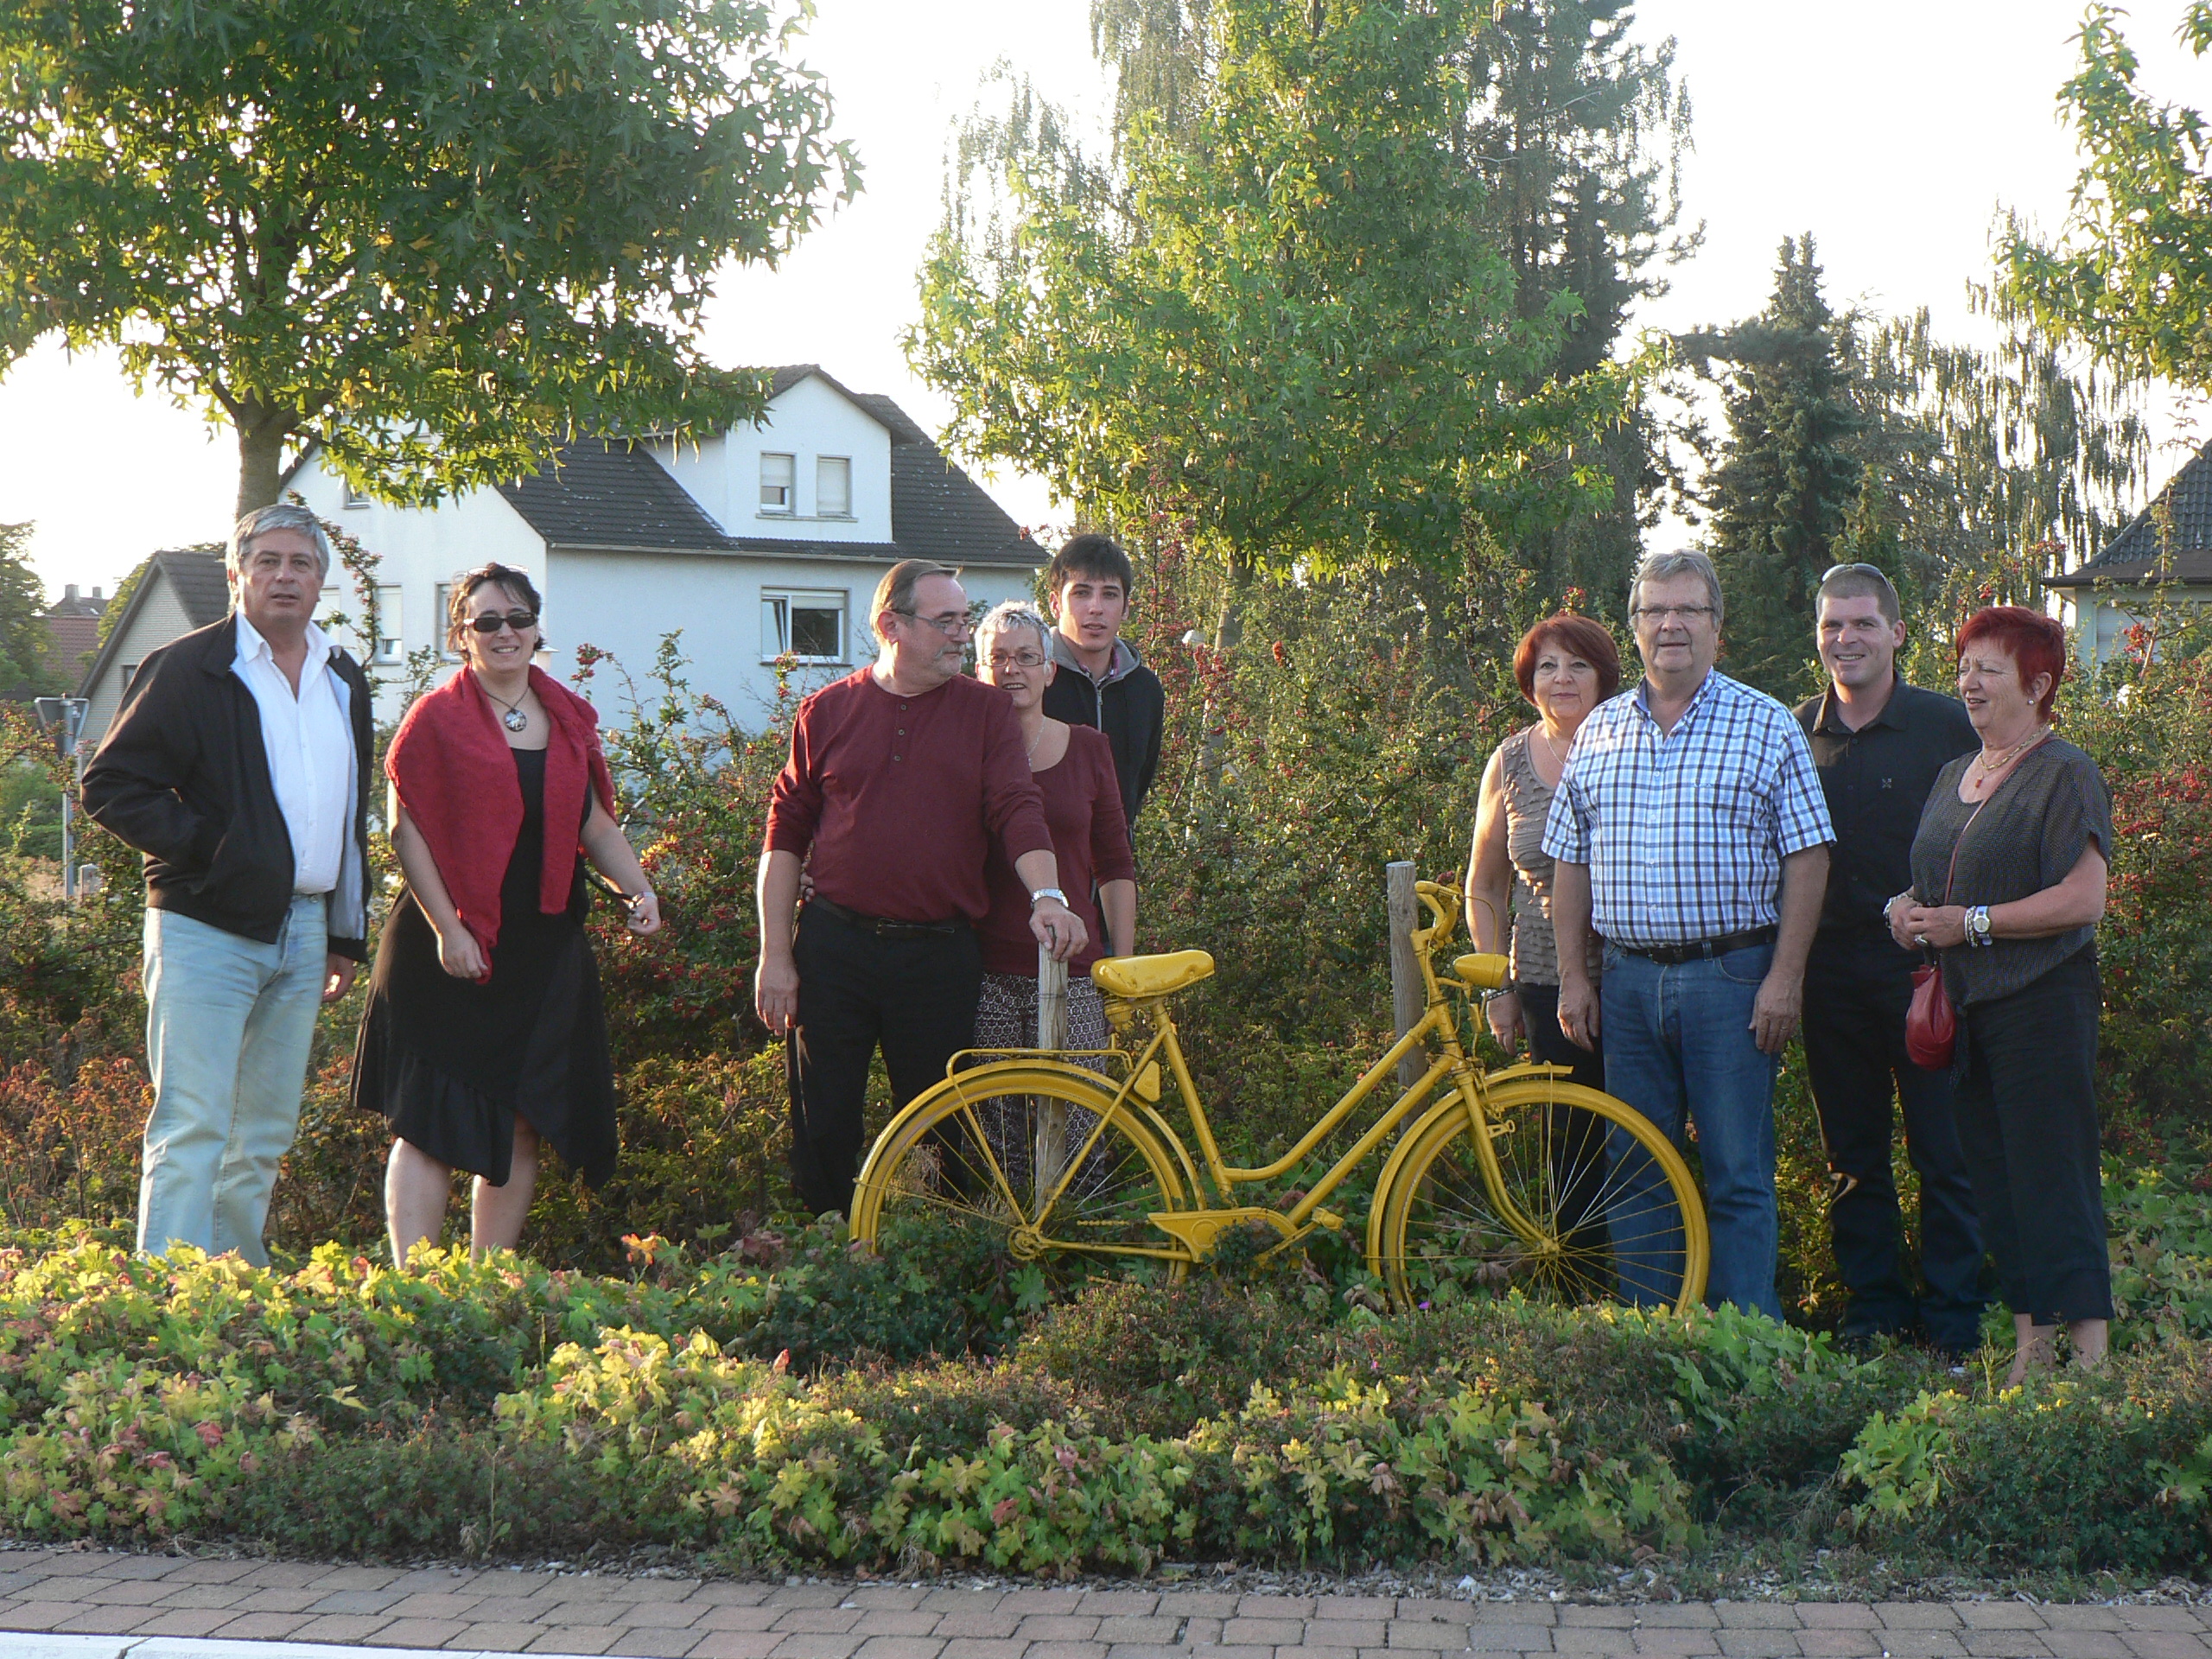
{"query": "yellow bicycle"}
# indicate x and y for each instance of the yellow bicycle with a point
(1512, 1179)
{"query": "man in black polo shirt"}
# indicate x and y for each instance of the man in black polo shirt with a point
(1878, 744)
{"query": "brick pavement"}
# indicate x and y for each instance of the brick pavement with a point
(144, 1598)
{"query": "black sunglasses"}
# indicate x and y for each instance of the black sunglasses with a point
(491, 621)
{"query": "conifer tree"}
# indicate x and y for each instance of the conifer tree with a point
(1789, 478)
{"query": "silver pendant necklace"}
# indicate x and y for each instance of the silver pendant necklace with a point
(514, 719)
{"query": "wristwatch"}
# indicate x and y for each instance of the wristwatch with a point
(1053, 894)
(1977, 925)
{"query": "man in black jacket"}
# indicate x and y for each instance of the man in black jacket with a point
(239, 764)
(1102, 681)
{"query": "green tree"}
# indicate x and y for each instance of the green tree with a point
(23, 669)
(2130, 275)
(438, 236)
(1790, 473)
(1284, 314)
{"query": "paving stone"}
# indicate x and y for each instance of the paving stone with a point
(1132, 1650)
(1065, 1650)
(960, 1601)
(576, 1639)
(1265, 1606)
(1528, 1638)
(1057, 1627)
(1838, 1615)
(1119, 1630)
(1759, 1642)
(1999, 1615)
(1614, 1618)
(1682, 1615)
(65, 1563)
(426, 1603)
(987, 1648)
(662, 1643)
(1922, 1643)
(1680, 1639)
(672, 1616)
(818, 1645)
(1049, 1603)
(1840, 1642)
(185, 1621)
(210, 1572)
(341, 1628)
(352, 1577)
(820, 1621)
(119, 1592)
(1610, 1641)
(1126, 1604)
(718, 1594)
(104, 1621)
(900, 1647)
(418, 1633)
(1198, 1603)
(2144, 1644)
(284, 1575)
(1355, 1606)
(38, 1615)
(1916, 1615)
(1756, 1615)
(1244, 1632)
(1427, 1636)
(2087, 1645)
(501, 1638)
(969, 1626)
(731, 1645)
(1512, 1612)
(2087, 1618)
(1347, 1632)
(260, 1627)
(519, 1609)
(804, 1595)
(2137, 1616)
(358, 1601)
(141, 1566)
(890, 1598)
(884, 1621)
(188, 1597)
(2008, 1644)
(668, 1589)
(1438, 1612)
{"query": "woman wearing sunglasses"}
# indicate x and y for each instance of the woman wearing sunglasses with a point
(484, 1033)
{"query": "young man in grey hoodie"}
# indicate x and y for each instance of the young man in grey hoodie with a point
(1101, 681)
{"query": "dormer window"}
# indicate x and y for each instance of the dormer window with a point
(832, 487)
(778, 473)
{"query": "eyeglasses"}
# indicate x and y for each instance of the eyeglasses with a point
(1861, 569)
(1017, 659)
(1671, 613)
(953, 625)
(491, 621)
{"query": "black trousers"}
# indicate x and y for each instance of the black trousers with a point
(1578, 1138)
(1547, 1043)
(2027, 1099)
(915, 998)
(1857, 990)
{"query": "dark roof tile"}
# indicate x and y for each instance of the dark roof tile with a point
(2178, 551)
(609, 493)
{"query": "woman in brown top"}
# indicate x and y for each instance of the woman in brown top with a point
(2008, 884)
(1567, 666)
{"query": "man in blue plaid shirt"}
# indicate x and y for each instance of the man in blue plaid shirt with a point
(1690, 829)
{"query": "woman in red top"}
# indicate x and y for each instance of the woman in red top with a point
(1073, 766)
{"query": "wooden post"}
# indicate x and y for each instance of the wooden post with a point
(1051, 1148)
(1406, 996)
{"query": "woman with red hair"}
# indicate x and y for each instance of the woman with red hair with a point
(2008, 885)
(1566, 665)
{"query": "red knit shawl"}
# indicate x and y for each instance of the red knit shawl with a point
(450, 763)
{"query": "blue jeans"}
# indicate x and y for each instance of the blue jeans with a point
(228, 1021)
(1679, 1048)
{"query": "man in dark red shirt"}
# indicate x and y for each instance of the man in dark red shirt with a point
(900, 778)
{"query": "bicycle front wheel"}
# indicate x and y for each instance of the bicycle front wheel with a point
(1590, 1203)
(1036, 1153)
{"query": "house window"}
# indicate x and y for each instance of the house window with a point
(391, 646)
(355, 498)
(776, 475)
(832, 487)
(443, 624)
(809, 626)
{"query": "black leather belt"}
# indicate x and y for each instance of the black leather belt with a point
(1667, 955)
(884, 928)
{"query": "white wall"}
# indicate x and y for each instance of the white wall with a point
(159, 619)
(627, 601)
(419, 548)
(809, 421)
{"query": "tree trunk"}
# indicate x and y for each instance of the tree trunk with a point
(1228, 634)
(261, 456)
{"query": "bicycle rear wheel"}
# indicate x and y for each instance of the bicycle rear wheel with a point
(967, 1152)
(1608, 1210)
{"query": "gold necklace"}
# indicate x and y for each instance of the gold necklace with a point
(1985, 766)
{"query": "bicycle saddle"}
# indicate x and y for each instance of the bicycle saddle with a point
(1137, 977)
(1484, 971)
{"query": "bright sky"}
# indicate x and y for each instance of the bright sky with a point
(1892, 130)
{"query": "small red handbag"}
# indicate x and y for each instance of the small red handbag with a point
(1931, 1028)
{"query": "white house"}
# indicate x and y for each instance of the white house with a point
(178, 589)
(764, 542)
(2165, 553)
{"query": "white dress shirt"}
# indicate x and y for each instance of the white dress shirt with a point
(309, 738)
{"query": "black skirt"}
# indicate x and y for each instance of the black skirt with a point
(450, 1062)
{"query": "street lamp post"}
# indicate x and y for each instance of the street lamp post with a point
(65, 718)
